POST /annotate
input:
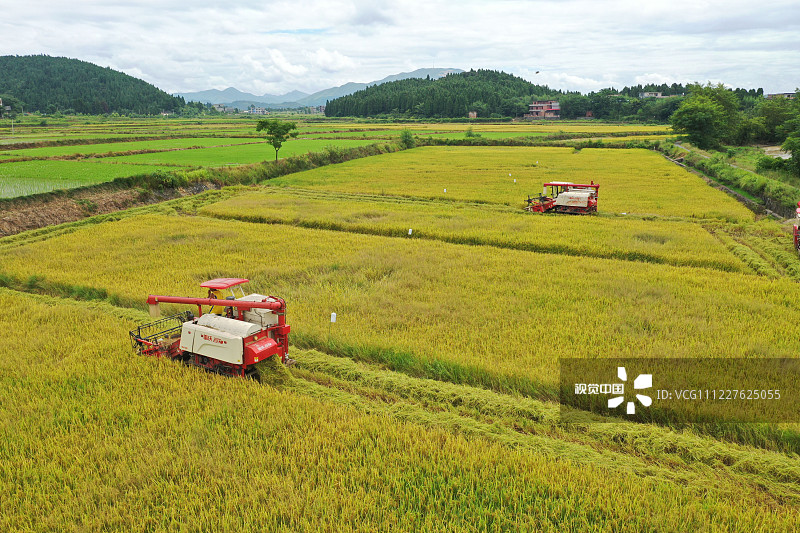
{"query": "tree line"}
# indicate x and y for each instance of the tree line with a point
(713, 115)
(491, 94)
(59, 84)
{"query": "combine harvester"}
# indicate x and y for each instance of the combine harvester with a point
(235, 335)
(565, 197)
(796, 239)
(797, 231)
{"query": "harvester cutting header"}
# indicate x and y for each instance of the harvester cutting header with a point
(231, 338)
(565, 197)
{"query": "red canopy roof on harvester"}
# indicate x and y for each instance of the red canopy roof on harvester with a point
(223, 283)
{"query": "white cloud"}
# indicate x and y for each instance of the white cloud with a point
(567, 81)
(284, 65)
(314, 44)
(331, 61)
(371, 12)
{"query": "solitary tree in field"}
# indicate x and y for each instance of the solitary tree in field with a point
(278, 132)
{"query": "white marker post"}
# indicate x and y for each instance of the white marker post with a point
(445, 190)
(409, 231)
(333, 320)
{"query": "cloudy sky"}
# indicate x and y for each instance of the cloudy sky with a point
(278, 46)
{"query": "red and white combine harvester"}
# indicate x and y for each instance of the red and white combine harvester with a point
(231, 338)
(797, 231)
(796, 238)
(565, 197)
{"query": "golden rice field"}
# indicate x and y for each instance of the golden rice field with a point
(627, 138)
(524, 126)
(677, 242)
(631, 180)
(394, 297)
(94, 439)
(430, 404)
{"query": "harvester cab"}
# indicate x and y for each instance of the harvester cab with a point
(216, 290)
(565, 197)
(231, 338)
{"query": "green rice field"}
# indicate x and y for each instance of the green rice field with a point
(125, 147)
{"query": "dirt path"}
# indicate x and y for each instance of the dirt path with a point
(24, 214)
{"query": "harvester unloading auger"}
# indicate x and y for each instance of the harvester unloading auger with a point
(565, 197)
(232, 338)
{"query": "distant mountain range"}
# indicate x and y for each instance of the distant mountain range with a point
(236, 98)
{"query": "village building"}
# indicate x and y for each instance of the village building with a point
(790, 96)
(222, 108)
(544, 109)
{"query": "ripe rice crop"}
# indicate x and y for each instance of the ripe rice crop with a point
(658, 241)
(631, 180)
(627, 138)
(530, 423)
(496, 317)
(94, 437)
(546, 127)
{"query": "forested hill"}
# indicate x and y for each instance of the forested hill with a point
(49, 84)
(488, 92)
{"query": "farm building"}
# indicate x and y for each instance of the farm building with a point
(222, 108)
(790, 96)
(544, 109)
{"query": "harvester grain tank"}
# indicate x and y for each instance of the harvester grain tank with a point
(239, 331)
(565, 197)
